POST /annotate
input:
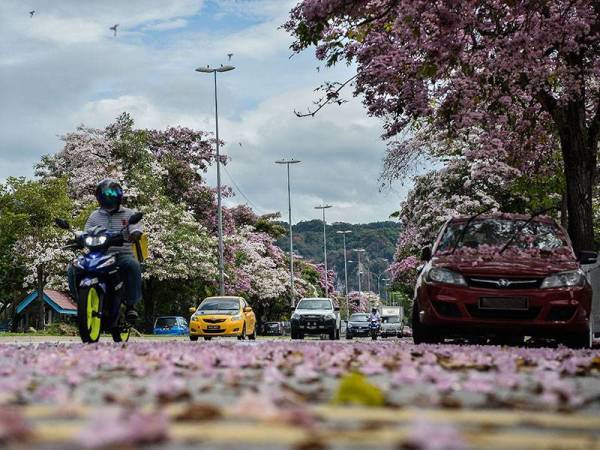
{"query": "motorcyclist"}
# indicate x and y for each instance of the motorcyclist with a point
(374, 316)
(113, 217)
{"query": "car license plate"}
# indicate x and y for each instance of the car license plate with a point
(504, 303)
(213, 327)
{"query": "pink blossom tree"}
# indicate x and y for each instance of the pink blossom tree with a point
(511, 80)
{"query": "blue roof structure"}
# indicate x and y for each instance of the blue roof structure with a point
(62, 308)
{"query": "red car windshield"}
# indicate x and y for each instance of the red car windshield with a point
(491, 235)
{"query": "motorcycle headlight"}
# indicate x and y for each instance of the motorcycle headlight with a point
(564, 279)
(92, 241)
(441, 275)
(109, 262)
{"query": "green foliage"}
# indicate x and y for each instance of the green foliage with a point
(377, 238)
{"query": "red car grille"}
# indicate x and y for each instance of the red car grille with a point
(486, 282)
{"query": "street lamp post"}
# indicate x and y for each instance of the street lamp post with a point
(323, 208)
(359, 251)
(292, 287)
(214, 71)
(385, 281)
(344, 233)
(379, 276)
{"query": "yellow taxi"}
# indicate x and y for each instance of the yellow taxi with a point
(222, 316)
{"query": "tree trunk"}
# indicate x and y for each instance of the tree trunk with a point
(579, 157)
(40, 297)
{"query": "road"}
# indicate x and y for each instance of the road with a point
(278, 394)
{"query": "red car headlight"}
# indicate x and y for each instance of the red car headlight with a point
(565, 279)
(442, 275)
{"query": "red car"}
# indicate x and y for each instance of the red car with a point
(504, 277)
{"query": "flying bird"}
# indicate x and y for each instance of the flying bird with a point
(229, 55)
(114, 28)
(31, 13)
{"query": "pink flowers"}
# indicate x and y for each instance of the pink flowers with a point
(117, 427)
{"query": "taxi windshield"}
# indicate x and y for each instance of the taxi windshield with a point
(220, 304)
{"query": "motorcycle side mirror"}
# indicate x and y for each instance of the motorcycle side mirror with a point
(426, 253)
(62, 223)
(135, 218)
(588, 257)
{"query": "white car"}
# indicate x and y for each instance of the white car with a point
(316, 316)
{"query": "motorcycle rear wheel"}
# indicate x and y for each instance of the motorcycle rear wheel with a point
(122, 330)
(89, 313)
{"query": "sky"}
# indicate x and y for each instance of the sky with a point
(63, 67)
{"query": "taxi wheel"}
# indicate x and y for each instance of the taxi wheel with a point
(242, 336)
(193, 338)
(207, 338)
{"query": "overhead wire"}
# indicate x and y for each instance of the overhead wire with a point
(259, 210)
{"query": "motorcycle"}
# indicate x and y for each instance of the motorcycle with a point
(374, 327)
(100, 296)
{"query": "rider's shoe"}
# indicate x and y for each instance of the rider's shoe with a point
(131, 315)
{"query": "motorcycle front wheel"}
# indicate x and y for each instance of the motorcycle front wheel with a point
(89, 317)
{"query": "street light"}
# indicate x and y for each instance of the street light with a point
(214, 71)
(292, 290)
(385, 280)
(344, 233)
(359, 251)
(379, 276)
(323, 208)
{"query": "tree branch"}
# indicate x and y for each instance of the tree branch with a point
(330, 97)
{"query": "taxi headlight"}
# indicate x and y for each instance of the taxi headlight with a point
(441, 275)
(564, 279)
(236, 317)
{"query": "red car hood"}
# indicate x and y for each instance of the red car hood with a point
(504, 266)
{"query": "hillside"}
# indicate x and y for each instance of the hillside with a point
(377, 238)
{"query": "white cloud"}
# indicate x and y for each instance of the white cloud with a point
(166, 25)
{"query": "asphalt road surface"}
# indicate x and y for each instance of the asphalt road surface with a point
(277, 394)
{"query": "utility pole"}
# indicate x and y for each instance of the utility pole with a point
(214, 71)
(292, 287)
(344, 233)
(323, 208)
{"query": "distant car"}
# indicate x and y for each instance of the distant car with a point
(358, 326)
(391, 326)
(273, 329)
(223, 316)
(5, 326)
(171, 325)
(316, 316)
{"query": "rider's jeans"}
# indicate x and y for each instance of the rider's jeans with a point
(129, 270)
